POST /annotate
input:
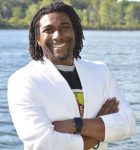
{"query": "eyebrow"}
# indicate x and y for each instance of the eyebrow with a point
(49, 25)
(46, 26)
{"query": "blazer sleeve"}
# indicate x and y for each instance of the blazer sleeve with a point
(121, 125)
(32, 123)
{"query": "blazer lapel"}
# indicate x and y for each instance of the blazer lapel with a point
(60, 84)
(82, 77)
(88, 82)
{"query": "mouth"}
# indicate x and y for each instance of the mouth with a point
(58, 45)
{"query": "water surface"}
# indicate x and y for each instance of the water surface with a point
(119, 49)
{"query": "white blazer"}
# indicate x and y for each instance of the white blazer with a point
(38, 95)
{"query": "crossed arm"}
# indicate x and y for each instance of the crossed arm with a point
(93, 129)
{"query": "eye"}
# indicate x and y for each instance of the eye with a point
(65, 27)
(48, 30)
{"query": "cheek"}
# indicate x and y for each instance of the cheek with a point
(71, 37)
(45, 38)
(44, 43)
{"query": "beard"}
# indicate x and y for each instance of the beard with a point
(58, 54)
(51, 55)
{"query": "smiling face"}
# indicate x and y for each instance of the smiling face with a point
(57, 38)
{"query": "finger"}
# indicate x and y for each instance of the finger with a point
(113, 109)
(113, 106)
(117, 110)
(105, 105)
(107, 102)
(110, 106)
(103, 108)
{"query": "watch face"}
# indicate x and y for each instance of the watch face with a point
(78, 125)
(78, 121)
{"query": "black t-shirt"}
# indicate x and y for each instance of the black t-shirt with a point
(71, 76)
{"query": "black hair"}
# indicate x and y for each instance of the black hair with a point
(36, 50)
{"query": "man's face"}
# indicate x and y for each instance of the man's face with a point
(57, 38)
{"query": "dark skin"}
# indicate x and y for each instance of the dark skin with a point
(57, 40)
(95, 124)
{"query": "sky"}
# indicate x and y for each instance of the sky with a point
(131, 0)
(135, 0)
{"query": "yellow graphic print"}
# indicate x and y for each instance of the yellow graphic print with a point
(80, 100)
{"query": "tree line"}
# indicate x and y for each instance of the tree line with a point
(94, 14)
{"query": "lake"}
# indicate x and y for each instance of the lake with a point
(119, 49)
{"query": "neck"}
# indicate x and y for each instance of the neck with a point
(68, 62)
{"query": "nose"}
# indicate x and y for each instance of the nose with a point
(56, 35)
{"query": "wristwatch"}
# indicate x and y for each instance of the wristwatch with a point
(78, 123)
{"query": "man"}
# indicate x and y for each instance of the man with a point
(59, 101)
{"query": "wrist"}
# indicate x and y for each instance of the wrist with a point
(78, 123)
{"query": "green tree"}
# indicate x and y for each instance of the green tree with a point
(29, 14)
(121, 8)
(108, 13)
(95, 14)
(93, 11)
(16, 16)
(133, 15)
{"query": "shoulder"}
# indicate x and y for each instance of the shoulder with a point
(95, 65)
(95, 68)
(90, 62)
(21, 73)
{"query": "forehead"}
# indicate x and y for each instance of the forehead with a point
(55, 18)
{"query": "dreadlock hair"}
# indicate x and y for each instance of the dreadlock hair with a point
(35, 50)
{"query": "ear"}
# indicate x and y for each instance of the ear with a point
(38, 42)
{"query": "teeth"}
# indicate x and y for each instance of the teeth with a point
(58, 45)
